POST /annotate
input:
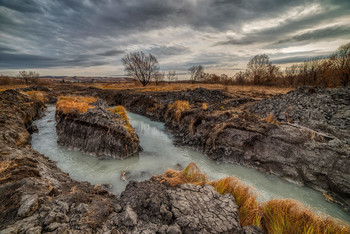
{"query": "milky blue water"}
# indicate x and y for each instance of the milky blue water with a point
(159, 153)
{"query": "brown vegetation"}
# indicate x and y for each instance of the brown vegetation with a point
(274, 216)
(271, 119)
(120, 110)
(36, 95)
(178, 107)
(80, 104)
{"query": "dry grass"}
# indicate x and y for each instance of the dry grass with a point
(234, 89)
(191, 174)
(75, 103)
(36, 95)
(245, 197)
(178, 107)
(120, 110)
(274, 216)
(290, 216)
(6, 87)
(271, 119)
(204, 106)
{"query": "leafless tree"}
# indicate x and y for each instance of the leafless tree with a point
(196, 73)
(141, 66)
(158, 77)
(291, 74)
(341, 63)
(30, 77)
(240, 77)
(260, 70)
(172, 76)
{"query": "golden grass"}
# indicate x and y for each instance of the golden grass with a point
(290, 216)
(178, 107)
(245, 197)
(274, 216)
(80, 104)
(36, 95)
(244, 90)
(120, 110)
(204, 106)
(191, 174)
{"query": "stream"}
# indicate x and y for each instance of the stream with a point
(159, 153)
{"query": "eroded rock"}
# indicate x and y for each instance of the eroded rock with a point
(98, 131)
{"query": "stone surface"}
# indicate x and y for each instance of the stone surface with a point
(184, 209)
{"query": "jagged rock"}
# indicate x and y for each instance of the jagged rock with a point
(187, 208)
(29, 204)
(97, 131)
(310, 145)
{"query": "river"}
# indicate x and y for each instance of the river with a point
(159, 153)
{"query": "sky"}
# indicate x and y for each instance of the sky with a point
(89, 37)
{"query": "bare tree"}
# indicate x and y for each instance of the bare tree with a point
(172, 76)
(141, 66)
(196, 73)
(159, 77)
(30, 77)
(291, 74)
(240, 77)
(341, 63)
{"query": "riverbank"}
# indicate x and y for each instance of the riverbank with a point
(294, 136)
(229, 129)
(36, 196)
(51, 186)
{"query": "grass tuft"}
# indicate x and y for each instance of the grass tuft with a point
(191, 174)
(290, 216)
(274, 216)
(36, 95)
(80, 104)
(120, 110)
(178, 107)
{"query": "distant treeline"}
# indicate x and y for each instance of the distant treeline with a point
(332, 71)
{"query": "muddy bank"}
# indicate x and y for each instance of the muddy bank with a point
(36, 196)
(235, 130)
(97, 131)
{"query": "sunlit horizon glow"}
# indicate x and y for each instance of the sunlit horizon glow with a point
(89, 38)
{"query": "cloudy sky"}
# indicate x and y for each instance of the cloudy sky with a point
(89, 37)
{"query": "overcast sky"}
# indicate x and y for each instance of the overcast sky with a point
(89, 37)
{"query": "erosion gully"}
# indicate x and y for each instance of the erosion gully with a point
(159, 153)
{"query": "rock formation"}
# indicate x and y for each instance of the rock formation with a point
(306, 139)
(37, 197)
(95, 130)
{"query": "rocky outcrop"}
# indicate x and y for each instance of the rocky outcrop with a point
(98, 131)
(309, 147)
(158, 208)
(37, 197)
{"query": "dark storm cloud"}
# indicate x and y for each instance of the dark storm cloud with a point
(19, 61)
(111, 53)
(22, 6)
(60, 32)
(319, 34)
(168, 50)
